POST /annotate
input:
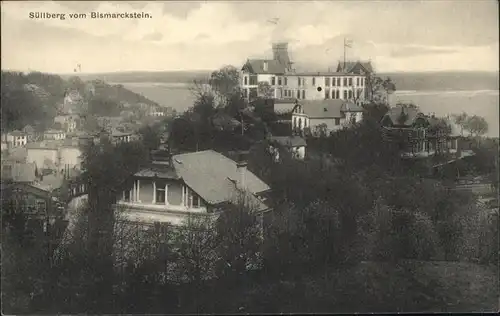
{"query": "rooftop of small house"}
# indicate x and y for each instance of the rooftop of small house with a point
(17, 133)
(210, 174)
(53, 144)
(409, 116)
(289, 141)
(54, 131)
(332, 108)
(322, 74)
(50, 182)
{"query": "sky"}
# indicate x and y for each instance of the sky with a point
(395, 35)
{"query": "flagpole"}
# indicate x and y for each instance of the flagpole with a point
(343, 67)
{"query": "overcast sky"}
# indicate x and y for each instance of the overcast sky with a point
(395, 35)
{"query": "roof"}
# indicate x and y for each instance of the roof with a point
(117, 133)
(17, 133)
(54, 131)
(289, 141)
(162, 171)
(394, 114)
(257, 66)
(28, 129)
(328, 108)
(321, 73)
(19, 172)
(46, 145)
(349, 65)
(212, 176)
(16, 154)
(50, 182)
(284, 107)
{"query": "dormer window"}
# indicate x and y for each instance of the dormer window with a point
(265, 66)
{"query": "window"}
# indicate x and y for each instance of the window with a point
(350, 82)
(337, 94)
(196, 201)
(327, 82)
(345, 94)
(327, 93)
(160, 193)
(314, 81)
(286, 81)
(279, 81)
(298, 94)
(253, 80)
(350, 94)
(362, 82)
(337, 121)
(334, 82)
(303, 94)
(273, 81)
(298, 81)
(338, 82)
(345, 82)
(357, 81)
(245, 80)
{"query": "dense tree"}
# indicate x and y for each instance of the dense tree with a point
(476, 125)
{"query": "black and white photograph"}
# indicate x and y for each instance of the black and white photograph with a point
(249, 157)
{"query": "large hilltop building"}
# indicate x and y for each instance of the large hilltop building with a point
(347, 83)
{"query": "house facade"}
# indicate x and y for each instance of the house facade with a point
(174, 187)
(68, 122)
(16, 139)
(55, 155)
(285, 82)
(324, 116)
(53, 134)
(296, 145)
(420, 135)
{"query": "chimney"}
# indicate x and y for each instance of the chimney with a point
(241, 170)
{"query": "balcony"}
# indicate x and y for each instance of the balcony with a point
(151, 213)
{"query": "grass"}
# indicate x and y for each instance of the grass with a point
(410, 286)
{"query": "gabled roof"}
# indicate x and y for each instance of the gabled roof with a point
(289, 141)
(28, 129)
(47, 145)
(162, 171)
(395, 113)
(256, 66)
(350, 65)
(332, 108)
(17, 133)
(212, 176)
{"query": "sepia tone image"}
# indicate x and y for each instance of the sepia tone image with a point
(249, 157)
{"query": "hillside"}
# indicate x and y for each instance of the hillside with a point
(148, 76)
(36, 98)
(381, 287)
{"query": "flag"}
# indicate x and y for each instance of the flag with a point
(348, 43)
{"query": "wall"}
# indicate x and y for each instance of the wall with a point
(70, 156)
(38, 156)
(174, 193)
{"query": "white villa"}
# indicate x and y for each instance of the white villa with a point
(177, 186)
